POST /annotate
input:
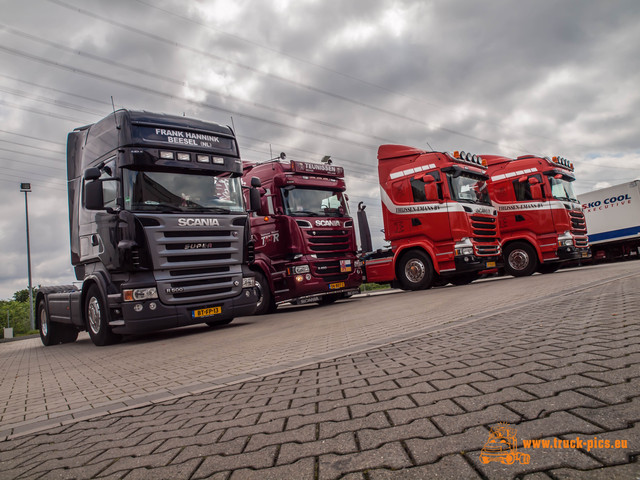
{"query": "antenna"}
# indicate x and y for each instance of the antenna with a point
(233, 125)
(115, 119)
(430, 147)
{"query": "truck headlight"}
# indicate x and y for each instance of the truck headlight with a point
(464, 247)
(248, 282)
(565, 240)
(298, 269)
(138, 294)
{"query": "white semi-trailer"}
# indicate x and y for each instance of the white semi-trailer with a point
(613, 221)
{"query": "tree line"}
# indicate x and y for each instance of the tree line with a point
(14, 313)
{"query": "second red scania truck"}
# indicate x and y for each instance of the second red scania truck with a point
(541, 221)
(305, 245)
(437, 216)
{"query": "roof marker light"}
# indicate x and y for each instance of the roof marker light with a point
(166, 155)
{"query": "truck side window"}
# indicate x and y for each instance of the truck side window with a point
(109, 189)
(417, 187)
(268, 198)
(523, 189)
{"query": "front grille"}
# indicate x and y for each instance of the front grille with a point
(487, 250)
(485, 230)
(198, 266)
(581, 242)
(322, 241)
(327, 268)
(578, 223)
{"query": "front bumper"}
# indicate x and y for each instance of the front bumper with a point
(130, 321)
(573, 253)
(473, 263)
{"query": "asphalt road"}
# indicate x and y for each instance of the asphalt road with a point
(404, 385)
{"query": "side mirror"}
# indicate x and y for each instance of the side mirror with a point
(92, 173)
(255, 182)
(431, 191)
(255, 203)
(93, 195)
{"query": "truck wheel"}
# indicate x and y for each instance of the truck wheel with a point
(464, 279)
(415, 271)
(520, 259)
(47, 334)
(266, 303)
(97, 318)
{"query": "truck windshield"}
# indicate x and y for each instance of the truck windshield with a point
(562, 190)
(180, 192)
(307, 202)
(468, 189)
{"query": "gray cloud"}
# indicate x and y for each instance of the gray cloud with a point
(313, 78)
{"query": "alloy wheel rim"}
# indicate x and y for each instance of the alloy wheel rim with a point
(518, 259)
(414, 270)
(94, 315)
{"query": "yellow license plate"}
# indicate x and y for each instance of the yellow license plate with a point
(491, 264)
(585, 254)
(207, 312)
(335, 286)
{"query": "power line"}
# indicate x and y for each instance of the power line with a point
(286, 80)
(33, 138)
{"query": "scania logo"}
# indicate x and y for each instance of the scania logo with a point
(174, 290)
(327, 223)
(198, 222)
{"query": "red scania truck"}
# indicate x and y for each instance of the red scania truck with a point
(437, 216)
(541, 221)
(305, 244)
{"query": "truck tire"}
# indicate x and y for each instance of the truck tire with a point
(97, 318)
(520, 259)
(53, 333)
(415, 271)
(266, 303)
(47, 334)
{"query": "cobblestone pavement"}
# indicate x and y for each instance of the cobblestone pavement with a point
(48, 387)
(564, 367)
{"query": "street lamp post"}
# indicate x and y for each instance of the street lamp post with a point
(26, 188)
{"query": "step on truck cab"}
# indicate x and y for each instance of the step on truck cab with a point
(305, 245)
(158, 227)
(541, 221)
(437, 216)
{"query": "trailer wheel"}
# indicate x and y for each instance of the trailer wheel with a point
(415, 271)
(97, 318)
(46, 332)
(266, 303)
(520, 259)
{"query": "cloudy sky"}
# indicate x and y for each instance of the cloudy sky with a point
(313, 78)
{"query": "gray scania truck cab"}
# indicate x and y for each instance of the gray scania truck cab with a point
(158, 226)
